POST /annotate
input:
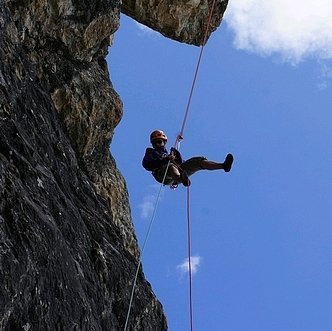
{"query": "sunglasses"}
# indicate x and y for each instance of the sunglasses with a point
(159, 141)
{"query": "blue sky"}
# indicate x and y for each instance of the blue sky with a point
(261, 234)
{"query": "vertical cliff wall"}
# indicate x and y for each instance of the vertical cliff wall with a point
(68, 251)
(63, 262)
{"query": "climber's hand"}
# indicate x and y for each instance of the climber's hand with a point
(180, 137)
(171, 157)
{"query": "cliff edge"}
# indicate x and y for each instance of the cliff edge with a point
(68, 251)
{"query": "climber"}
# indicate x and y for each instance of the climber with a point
(157, 159)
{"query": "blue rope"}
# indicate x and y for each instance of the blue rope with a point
(144, 244)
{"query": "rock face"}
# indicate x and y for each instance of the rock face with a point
(182, 20)
(67, 43)
(68, 251)
(63, 264)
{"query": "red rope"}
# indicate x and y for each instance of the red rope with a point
(189, 260)
(178, 139)
(195, 76)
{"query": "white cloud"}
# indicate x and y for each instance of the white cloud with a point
(147, 206)
(149, 201)
(325, 75)
(293, 29)
(194, 262)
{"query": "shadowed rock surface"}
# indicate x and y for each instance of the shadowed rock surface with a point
(63, 265)
(68, 251)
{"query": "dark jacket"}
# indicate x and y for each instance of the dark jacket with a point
(154, 159)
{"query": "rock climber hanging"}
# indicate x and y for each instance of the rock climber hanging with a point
(157, 159)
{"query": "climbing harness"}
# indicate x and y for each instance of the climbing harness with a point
(176, 145)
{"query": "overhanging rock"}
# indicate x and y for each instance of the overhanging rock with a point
(182, 20)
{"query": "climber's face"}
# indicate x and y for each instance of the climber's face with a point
(159, 143)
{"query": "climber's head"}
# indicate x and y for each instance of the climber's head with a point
(158, 139)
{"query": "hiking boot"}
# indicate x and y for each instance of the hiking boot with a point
(185, 179)
(228, 162)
